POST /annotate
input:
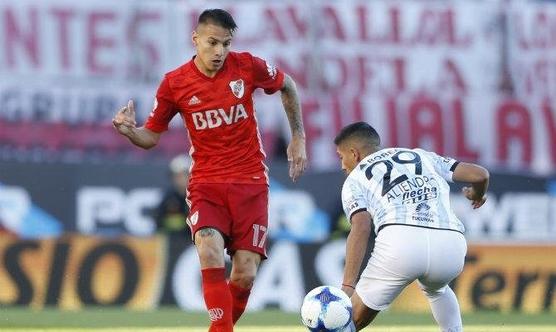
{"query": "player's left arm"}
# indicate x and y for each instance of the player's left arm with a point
(453, 170)
(297, 155)
(356, 246)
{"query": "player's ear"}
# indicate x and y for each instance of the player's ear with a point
(356, 154)
(194, 37)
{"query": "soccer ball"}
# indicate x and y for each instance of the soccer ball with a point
(326, 309)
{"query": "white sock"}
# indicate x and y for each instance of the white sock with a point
(445, 309)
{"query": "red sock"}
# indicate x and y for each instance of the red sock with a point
(218, 299)
(240, 296)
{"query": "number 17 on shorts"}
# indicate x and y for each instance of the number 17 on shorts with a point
(259, 235)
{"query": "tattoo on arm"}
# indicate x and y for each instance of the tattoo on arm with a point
(206, 232)
(290, 100)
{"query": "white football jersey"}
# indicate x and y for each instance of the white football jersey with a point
(402, 186)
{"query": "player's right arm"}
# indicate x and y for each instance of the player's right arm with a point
(124, 122)
(355, 208)
(478, 178)
(356, 247)
(147, 136)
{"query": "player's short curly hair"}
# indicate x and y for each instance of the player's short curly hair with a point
(218, 17)
(358, 130)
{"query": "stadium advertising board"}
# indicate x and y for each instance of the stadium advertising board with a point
(499, 278)
(429, 74)
(116, 199)
(74, 271)
(143, 273)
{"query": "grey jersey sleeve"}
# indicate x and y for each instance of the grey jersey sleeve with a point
(444, 166)
(353, 198)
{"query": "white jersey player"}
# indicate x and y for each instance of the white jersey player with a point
(403, 194)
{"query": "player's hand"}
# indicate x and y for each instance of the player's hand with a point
(471, 195)
(297, 157)
(124, 121)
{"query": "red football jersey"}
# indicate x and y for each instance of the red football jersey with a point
(219, 116)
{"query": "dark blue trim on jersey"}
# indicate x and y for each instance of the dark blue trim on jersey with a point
(356, 211)
(444, 229)
(453, 168)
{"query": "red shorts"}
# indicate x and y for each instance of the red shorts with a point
(238, 211)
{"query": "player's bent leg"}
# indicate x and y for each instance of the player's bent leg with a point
(446, 261)
(244, 268)
(217, 295)
(444, 306)
(362, 315)
(210, 247)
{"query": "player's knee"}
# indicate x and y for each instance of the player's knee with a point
(243, 278)
(362, 315)
(243, 275)
(360, 322)
(210, 247)
(433, 292)
(210, 257)
(360, 318)
(244, 268)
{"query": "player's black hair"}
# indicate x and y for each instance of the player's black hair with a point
(359, 130)
(218, 17)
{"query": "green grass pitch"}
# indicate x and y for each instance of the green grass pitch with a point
(174, 320)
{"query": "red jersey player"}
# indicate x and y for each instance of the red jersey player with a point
(228, 188)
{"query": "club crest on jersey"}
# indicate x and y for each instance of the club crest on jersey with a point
(192, 220)
(271, 70)
(237, 88)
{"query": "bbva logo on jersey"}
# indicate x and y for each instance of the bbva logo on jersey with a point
(216, 118)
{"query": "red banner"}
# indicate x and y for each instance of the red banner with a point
(428, 74)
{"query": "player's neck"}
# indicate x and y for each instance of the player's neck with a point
(203, 69)
(369, 152)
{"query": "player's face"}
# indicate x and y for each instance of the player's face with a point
(348, 157)
(213, 45)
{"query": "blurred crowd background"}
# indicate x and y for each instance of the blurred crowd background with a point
(88, 219)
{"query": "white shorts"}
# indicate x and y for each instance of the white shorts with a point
(403, 254)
